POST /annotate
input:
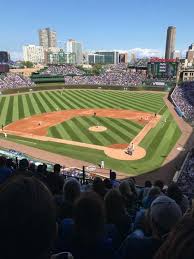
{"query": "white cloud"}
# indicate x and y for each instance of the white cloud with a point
(145, 53)
(142, 52)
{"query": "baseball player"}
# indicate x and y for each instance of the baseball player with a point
(102, 164)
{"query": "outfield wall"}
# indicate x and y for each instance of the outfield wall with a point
(61, 86)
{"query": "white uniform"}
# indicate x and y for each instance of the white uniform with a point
(102, 164)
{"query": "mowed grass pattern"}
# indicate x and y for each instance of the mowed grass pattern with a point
(16, 107)
(158, 142)
(76, 129)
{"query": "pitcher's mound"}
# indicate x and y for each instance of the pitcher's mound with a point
(98, 128)
(120, 154)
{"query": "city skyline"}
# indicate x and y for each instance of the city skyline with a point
(136, 27)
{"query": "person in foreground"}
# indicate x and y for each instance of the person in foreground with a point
(179, 244)
(89, 241)
(27, 219)
(164, 213)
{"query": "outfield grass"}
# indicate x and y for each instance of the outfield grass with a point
(20, 106)
(158, 142)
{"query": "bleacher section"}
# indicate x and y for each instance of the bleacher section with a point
(185, 178)
(183, 99)
(62, 70)
(10, 81)
(113, 75)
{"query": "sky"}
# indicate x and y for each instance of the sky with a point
(133, 25)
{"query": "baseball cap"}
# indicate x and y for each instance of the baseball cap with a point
(165, 212)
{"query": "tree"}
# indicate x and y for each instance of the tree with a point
(97, 69)
(27, 64)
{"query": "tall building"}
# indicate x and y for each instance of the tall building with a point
(47, 38)
(60, 57)
(33, 53)
(72, 46)
(110, 57)
(4, 57)
(123, 57)
(95, 59)
(190, 54)
(4, 60)
(170, 42)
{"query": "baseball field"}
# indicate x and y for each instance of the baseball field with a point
(93, 125)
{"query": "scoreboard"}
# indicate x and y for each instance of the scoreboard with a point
(162, 68)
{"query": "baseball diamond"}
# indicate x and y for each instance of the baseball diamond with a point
(65, 117)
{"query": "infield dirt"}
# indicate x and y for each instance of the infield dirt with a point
(37, 127)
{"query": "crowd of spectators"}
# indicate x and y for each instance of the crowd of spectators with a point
(183, 97)
(115, 75)
(66, 69)
(116, 67)
(44, 215)
(11, 80)
(186, 177)
(139, 63)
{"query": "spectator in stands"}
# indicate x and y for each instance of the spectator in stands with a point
(163, 215)
(186, 178)
(11, 80)
(132, 184)
(183, 98)
(148, 184)
(152, 195)
(113, 180)
(57, 168)
(99, 187)
(55, 181)
(128, 196)
(40, 173)
(146, 189)
(5, 172)
(65, 69)
(88, 240)
(116, 213)
(112, 75)
(107, 184)
(10, 164)
(175, 193)
(179, 243)
(23, 168)
(141, 222)
(45, 168)
(160, 184)
(40, 169)
(71, 191)
(32, 167)
(27, 219)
